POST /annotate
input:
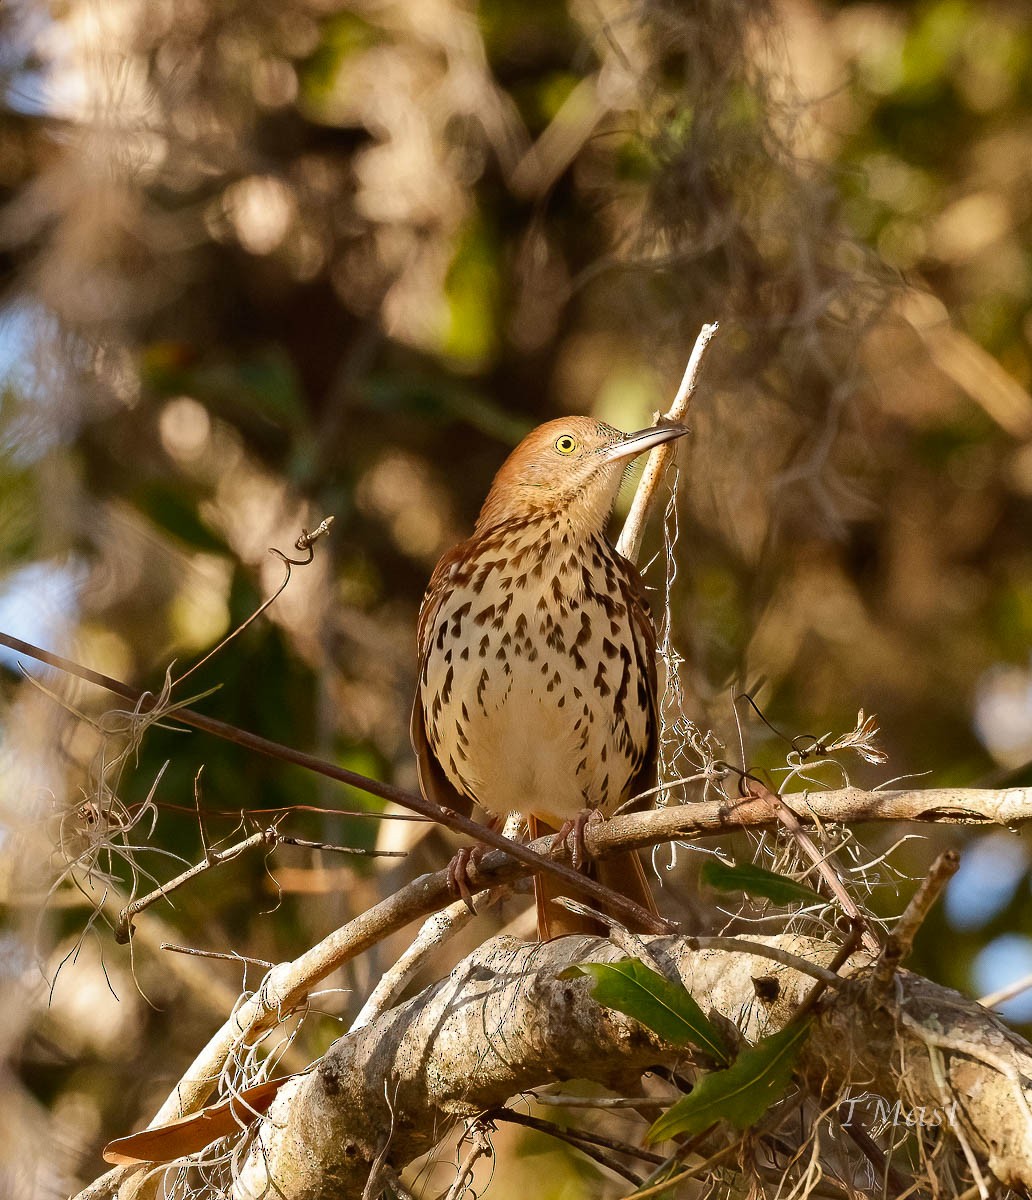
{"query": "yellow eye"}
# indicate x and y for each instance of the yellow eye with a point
(566, 444)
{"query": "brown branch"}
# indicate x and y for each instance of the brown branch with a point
(212, 858)
(1011, 807)
(633, 913)
(900, 941)
(592, 1144)
(824, 868)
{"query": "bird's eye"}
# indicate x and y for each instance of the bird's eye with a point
(566, 444)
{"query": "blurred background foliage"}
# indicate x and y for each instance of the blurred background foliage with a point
(264, 262)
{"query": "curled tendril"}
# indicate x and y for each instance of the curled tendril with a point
(305, 543)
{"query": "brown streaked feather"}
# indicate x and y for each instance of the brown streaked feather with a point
(433, 782)
(436, 590)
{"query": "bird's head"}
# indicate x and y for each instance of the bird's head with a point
(574, 466)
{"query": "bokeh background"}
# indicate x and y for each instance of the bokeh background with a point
(262, 263)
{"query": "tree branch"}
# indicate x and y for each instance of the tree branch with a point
(629, 543)
(146, 703)
(503, 1022)
(940, 806)
(288, 984)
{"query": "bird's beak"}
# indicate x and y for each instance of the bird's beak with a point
(637, 443)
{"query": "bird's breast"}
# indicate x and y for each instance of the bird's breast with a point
(535, 693)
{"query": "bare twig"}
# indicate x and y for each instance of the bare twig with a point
(791, 821)
(197, 953)
(842, 956)
(303, 543)
(900, 941)
(691, 1173)
(400, 1191)
(283, 840)
(565, 1100)
(592, 1144)
(1007, 993)
(742, 946)
(213, 858)
(870, 1150)
(436, 930)
(579, 882)
(480, 1147)
(269, 838)
(629, 543)
(307, 540)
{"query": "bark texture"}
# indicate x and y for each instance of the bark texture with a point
(503, 1022)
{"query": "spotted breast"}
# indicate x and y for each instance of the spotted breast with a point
(536, 685)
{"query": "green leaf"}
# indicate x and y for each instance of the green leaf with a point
(758, 1078)
(667, 1008)
(757, 881)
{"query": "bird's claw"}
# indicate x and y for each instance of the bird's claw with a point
(458, 874)
(579, 855)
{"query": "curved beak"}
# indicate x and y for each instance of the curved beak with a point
(637, 443)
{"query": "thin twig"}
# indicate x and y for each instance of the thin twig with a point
(900, 941)
(565, 1100)
(690, 1173)
(590, 1144)
(303, 543)
(575, 1136)
(870, 1149)
(241, 958)
(791, 821)
(214, 858)
(1007, 993)
(329, 846)
(400, 1191)
(741, 946)
(629, 543)
(435, 931)
(842, 956)
(480, 1147)
(634, 913)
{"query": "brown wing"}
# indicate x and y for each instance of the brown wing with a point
(645, 644)
(433, 782)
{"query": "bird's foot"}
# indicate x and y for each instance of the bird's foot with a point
(579, 857)
(458, 869)
(458, 874)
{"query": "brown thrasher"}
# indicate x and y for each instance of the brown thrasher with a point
(537, 653)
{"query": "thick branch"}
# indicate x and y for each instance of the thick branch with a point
(289, 984)
(503, 1022)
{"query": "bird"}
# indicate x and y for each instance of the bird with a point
(536, 689)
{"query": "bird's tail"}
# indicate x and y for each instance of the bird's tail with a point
(623, 873)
